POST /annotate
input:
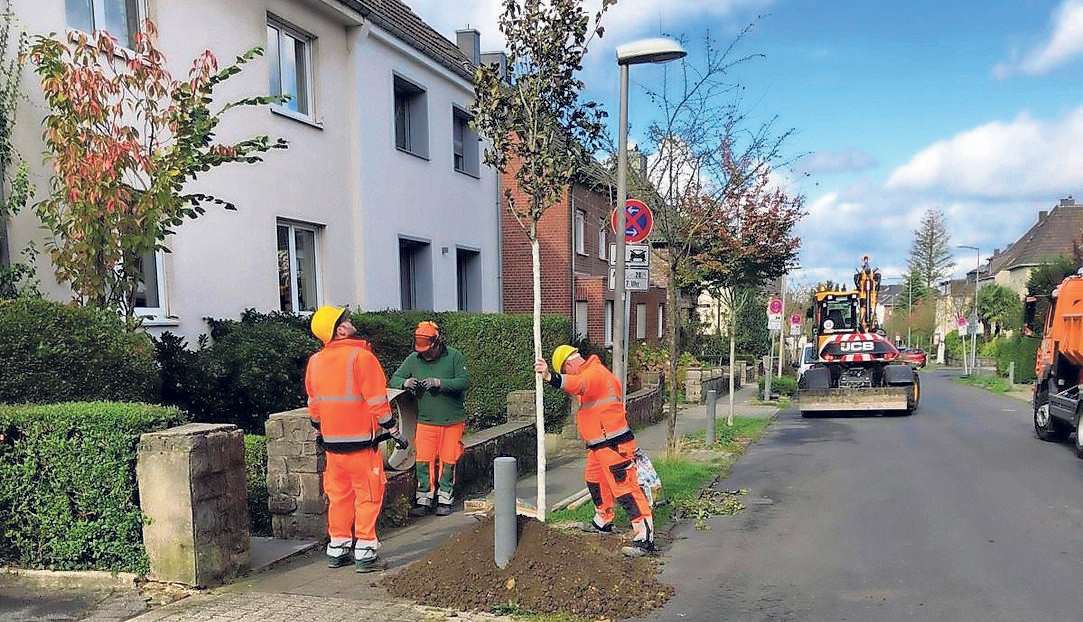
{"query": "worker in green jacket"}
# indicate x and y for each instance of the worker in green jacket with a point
(436, 374)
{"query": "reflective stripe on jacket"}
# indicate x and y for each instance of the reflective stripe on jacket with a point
(347, 395)
(601, 415)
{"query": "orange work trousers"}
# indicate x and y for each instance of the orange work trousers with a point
(354, 483)
(611, 476)
(441, 444)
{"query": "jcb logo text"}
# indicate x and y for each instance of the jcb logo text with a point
(856, 346)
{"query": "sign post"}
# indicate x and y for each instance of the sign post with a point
(632, 223)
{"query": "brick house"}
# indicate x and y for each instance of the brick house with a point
(574, 237)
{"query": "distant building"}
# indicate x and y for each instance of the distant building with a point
(1053, 234)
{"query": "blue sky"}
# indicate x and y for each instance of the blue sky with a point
(973, 108)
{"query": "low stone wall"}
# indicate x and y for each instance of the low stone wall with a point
(699, 381)
(295, 466)
(192, 488)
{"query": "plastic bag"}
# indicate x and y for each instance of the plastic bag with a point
(648, 478)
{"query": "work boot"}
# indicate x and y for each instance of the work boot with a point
(420, 510)
(594, 527)
(338, 555)
(638, 548)
(442, 509)
(373, 564)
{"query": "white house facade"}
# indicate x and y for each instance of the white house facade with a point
(328, 220)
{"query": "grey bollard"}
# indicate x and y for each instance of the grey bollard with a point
(1011, 373)
(711, 401)
(505, 476)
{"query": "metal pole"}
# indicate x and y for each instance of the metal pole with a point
(711, 404)
(504, 518)
(767, 379)
(974, 334)
(910, 311)
(781, 331)
(1011, 373)
(620, 321)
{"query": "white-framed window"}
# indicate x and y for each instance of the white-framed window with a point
(468, 278)
(603, 240)
(641, 320)
(119, 18)
(150, 290)
(581, 329)
(608, 322)
(411, 117)
(580, 232)
(660, 322)
(415, 274)
(298, 267)
(289, 54)
(464, 143)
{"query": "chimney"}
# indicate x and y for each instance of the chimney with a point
(499, 59)
(469, 41)
(1042, 214)
(1067, 201)
(996, 251)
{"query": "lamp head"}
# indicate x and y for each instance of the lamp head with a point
(660, 50)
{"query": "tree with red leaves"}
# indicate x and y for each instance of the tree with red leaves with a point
(124, 137)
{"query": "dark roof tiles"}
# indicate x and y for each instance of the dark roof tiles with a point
(1051, 236)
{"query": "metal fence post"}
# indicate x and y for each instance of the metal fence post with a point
(711, 403)
(1011, 373)
(505, 476)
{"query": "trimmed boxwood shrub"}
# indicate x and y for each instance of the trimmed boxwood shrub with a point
(68, 490)
(51, 352)
(1020, 350)
(783, 385)
(255, 366)
(255, 468)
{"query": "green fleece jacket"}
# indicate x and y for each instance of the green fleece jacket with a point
(443, 406)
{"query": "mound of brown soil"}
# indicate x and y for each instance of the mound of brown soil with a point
(553, 571)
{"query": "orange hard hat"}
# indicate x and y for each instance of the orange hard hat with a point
(425, 335)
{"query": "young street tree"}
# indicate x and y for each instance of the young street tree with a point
(930, 253)
(705, 163)
(538, 129)
(124, 137)
(748, 241)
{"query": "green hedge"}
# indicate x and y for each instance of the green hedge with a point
(255, 366)
(51, 352)
(255, 467)
(68, 490)
(1020, 350)
(783, 385)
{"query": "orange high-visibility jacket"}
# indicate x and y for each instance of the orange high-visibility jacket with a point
(347, 396)
(601, 417)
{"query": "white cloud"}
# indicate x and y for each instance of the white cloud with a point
(627, 19)
(841, 161)
(1020, 159)
(1065, 42)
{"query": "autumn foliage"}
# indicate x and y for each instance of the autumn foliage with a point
(123, 137)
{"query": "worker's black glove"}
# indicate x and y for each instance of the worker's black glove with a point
(431, 384)
(411, 384)
(319, 440)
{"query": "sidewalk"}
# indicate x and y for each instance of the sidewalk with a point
(304, 588)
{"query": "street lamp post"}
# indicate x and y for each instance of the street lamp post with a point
(636, 53)
(974, 333)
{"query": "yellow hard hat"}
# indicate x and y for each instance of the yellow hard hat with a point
(325, 320)
(560, 355)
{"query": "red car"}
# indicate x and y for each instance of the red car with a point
(914, 356)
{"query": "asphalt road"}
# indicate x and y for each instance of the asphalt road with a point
(955, 513)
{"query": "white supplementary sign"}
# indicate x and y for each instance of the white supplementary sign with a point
(635, 279)
(774, 321)
(635, 255)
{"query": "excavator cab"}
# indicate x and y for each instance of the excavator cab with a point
(835, 313)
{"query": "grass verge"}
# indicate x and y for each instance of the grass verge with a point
(996, 384)
(685, 476)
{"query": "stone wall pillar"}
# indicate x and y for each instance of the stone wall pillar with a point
(192, 488)
(295, 477)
